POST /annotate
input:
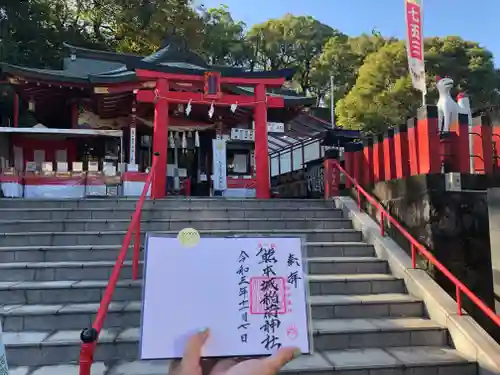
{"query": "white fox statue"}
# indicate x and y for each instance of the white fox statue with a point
(448, 109)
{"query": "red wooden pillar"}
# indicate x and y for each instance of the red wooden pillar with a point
(348, 165)
(358, 164)
(495, 136)
(378, 159)
(367, 161)
(429, 160)
(413, 146)
(482, 145)
(461, 151)
(15, 115)
(389, 156)
(263, 188)
(160, 141)
(331, 178)
(401, 157)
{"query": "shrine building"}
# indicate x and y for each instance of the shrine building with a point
(104, 116)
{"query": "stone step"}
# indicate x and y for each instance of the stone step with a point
(76, 225)
(428, 360)
(170, 213)
(116, 237)
(75, 253)
(84, 297)
(355, 284)
(120, 343)
(124, 314)
(201, 203)
(101, 270)
(346, 265)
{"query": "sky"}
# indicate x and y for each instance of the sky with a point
(476, 20)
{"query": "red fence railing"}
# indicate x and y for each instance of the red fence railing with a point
(416, 247)
(89, 336)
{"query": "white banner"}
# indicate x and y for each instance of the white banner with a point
(415, 43)
(4, 369)
(220, 164)
(133, 134)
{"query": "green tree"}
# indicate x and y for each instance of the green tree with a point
(224, 38)
(290, 41)
(383, 95)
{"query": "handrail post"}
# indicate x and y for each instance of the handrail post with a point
(382, 226)
(137, 248)
(413, 256)
(86, 359)
(459, 300)
(359, 198)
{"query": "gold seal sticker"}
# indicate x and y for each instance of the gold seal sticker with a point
(188, 237)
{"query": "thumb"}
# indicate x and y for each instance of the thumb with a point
(279, 359)
(192, 352)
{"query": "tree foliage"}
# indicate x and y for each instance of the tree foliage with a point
(372, 86)
(383, 96)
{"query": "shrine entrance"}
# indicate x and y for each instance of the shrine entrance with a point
(196, 87)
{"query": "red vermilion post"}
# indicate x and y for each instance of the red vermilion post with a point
(461, 151)
(389, 156)
(367, 161)
(429, 160)
(482, 145)
(160, 141)
(137, 250)
(358, 164)
(381, 157)
(378, 160)
(348, 165)
(263, 188)
(401, 157)
(331, 178)
(412, 146)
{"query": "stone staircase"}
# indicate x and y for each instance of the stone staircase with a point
(56, 257)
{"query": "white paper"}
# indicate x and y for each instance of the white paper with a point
(187, 289)
(240, 163)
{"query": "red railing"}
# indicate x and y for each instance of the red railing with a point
(89, 336)
(417, 247)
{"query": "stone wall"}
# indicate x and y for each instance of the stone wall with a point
(454, 226)
(494, 225)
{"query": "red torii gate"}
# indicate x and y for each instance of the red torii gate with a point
(212, 81)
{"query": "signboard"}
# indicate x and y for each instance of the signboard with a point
(220, 164)
(133, 134)
(251, 292)
(415, 43)
(4, 368)
(249, 134)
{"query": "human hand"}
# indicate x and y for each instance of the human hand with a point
(191, 363)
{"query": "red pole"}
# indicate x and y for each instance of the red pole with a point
(331, 178)
(367, 161)
(389, 156)
(401, 157)
(263, 188)
(429, 160)
(137, 249)
(482, 140)
(461, 150)
(378, 162)
(160, 141)
(413, 146)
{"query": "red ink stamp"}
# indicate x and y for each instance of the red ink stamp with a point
(258, 288)
(292, 332)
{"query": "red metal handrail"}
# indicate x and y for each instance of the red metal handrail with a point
(89, 336)
(417, 247)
